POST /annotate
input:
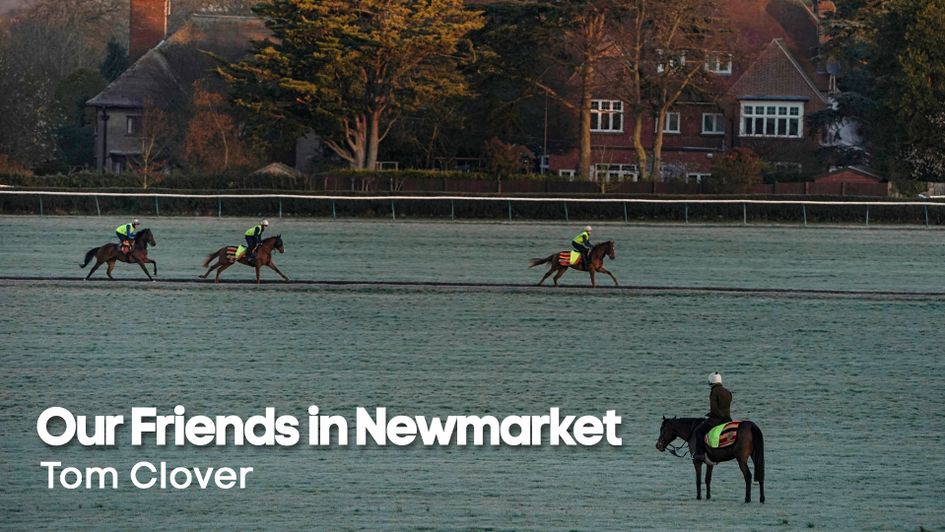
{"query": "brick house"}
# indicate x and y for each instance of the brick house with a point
(763, 90)
(164, 71)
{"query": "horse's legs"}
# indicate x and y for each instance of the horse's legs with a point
(257, 272)
(220, 269)
(743, 465)
(97, 264)
(698, 466)
(273, 266)
(605, 270)
(550, 270)
(145, 269)
(215, 266)
(708, 481)
(111, 266)
(558, 275)
(153, 263)
(593, 279)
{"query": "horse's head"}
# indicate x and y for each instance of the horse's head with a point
(667, 434)
(611, 249)
(145, 236)
(279, 245)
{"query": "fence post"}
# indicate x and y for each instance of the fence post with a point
(333, 213)
(157, 209)
(926, 216)
(510, 210)
(867, 215)
(687, 213)
(40, 205)
(804, 207)
(744, 214)
(566, 217)
(452, 208)
(219, 207)
(98, 209)
(626, 216)
(393, 212)
(280, 208)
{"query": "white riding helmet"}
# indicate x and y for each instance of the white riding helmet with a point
(265, 223)
(715, 378)
(588, 228)
(136, 222)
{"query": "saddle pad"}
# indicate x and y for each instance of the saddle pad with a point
(722, 435)
(569, 258)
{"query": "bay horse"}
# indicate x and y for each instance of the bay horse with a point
(111, 253)
(263, 257)
(597, 255)
(749, 443)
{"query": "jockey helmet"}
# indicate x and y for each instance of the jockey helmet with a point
(588, 228)
(136, 222)
(265, 223)
(715, 378)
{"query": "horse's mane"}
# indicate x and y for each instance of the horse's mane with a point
(268, 238)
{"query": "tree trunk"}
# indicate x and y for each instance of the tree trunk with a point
(642, 163)
(584, 154)
(373, 139)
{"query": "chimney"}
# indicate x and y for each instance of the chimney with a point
(148, 26)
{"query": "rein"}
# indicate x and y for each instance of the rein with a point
(674, 449)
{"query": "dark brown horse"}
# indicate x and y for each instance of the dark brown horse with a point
(749, 443)
(225, 258)
(111, 253)
(597, 255)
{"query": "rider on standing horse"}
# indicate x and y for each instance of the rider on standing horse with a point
(126, 235)
(720, 406)
(582, 244)
(254, 237)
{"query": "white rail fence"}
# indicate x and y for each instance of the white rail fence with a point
(588, 207)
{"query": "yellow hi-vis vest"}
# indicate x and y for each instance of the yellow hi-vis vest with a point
(582, 238)
(252, 231)
(126, 229)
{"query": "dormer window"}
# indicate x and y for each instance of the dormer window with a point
(719, 63)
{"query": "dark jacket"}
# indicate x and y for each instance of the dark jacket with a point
(720, 403)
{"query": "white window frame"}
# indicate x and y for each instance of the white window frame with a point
(719, 63)
(566, 172)
(132, 125)
(718, 122)
(619, 172)
(697, 176)
(667, 121)
(609, 111)
(676, 59)
(775, 119)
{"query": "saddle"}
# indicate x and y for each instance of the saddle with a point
(569, 258)
(126, 246)
(235, 253)
(723, 435)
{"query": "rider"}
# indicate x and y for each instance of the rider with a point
(582, 243)
(126, 234)
(254, 237)
(720, 406)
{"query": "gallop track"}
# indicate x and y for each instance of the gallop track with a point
(469, 286)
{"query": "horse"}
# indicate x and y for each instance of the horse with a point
(596, 263)
(749, 442)
(112, 252)
(263, 257)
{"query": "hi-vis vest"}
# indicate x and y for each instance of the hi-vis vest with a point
(582, 238)
(126, 229)
(255, 230)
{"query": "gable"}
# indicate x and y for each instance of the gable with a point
(776, 75)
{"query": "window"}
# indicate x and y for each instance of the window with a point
(133, 125)
(718, 63)
(670, 123)
(619, 172)
(672, 60)
(607, 116)
(713, 124)
(696, 177)
(566, 173)
(772, 119)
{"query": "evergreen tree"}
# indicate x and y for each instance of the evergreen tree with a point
(116, 61)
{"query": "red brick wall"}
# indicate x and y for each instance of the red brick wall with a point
(148, 26)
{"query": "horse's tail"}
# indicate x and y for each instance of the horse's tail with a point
(212, 256)
(758, 452)
(88, 257)
(535, 262)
